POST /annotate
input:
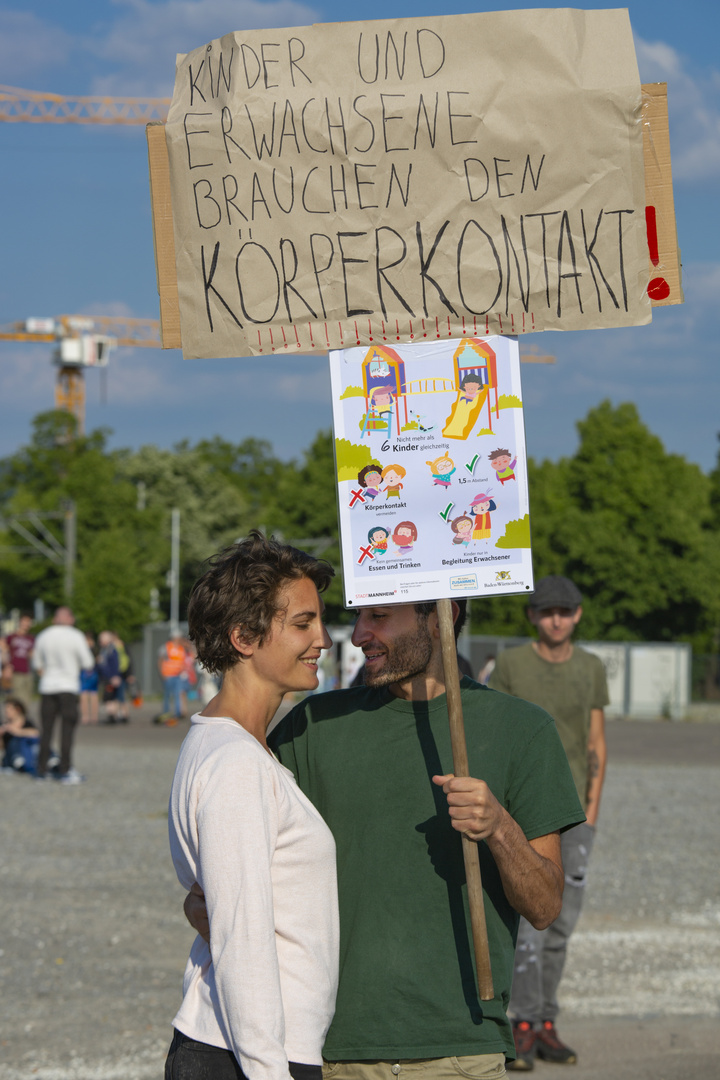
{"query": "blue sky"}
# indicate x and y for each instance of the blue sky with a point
(77, 238)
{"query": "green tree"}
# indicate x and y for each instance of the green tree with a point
(633, 526)
(250, 466)
(214, 511)
(305, 508)
(638, 538)
(59, 467)
(715, 493)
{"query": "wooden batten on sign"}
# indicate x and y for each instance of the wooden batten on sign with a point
(163, 235)
(665, 279)
(665, 272)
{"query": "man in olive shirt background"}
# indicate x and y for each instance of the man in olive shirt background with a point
(569, 683)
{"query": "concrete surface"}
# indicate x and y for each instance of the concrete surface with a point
(93, 940)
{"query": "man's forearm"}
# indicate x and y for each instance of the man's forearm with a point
(531, 870)
(596, 775)
(532, 879)
(596, 762)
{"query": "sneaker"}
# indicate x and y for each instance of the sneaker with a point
(525, 1038)
(72, 777)
(551, 1048)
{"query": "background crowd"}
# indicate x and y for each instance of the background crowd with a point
(94, 683)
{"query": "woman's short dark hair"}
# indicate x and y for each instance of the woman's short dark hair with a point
(241, 590)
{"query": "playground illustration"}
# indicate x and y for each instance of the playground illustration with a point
(431, 468)
(471, 386)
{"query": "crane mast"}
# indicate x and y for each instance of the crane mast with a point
(82, 341)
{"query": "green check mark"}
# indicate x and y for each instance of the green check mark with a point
(472, 464)
(445, 514)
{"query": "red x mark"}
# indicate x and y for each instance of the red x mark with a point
(357, 495)
(365, 551)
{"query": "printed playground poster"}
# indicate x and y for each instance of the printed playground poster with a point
(432, 470)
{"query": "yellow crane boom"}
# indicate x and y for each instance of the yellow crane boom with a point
(136, 333)
(38, 107)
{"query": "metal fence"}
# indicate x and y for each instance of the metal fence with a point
(645, 679)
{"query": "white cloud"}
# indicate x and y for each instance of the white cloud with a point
(117, 308)
(668, 369)
(29, 48)
(694, 108)
(146, 37)
(27, 377)
(131, 52)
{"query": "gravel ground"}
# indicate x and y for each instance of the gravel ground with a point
(94, 941)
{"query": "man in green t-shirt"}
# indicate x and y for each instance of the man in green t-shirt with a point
(570, 684)
(377, 763)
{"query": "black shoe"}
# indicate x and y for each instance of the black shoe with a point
(551, 1048)
(525, 1041)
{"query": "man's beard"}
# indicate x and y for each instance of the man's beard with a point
(409, 655)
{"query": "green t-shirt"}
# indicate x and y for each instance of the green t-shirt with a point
(365, 759)
(568, 691)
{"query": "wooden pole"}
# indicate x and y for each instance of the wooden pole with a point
(461, 768)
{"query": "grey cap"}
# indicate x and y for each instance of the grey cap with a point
(555, 591)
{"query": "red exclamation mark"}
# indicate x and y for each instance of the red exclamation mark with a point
(658, 288)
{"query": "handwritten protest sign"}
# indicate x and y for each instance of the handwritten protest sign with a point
(431, 470)
(408, 180)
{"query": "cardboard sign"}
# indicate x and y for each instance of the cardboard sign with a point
(408, 180)
(658, 193)
(431, 471)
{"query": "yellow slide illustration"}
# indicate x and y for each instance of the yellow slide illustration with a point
(464, 413)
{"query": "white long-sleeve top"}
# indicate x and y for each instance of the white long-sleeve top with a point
(265, 859)
(61, 653)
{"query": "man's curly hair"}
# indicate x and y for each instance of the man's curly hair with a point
(425, 609)
(241, 589)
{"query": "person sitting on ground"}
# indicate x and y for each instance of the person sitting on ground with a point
(21, 738)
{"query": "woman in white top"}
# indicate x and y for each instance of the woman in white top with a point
(258, 1000)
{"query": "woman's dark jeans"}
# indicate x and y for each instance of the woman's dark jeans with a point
(191, 1060)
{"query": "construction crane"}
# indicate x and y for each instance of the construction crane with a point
(82, 341)
(36, 107)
